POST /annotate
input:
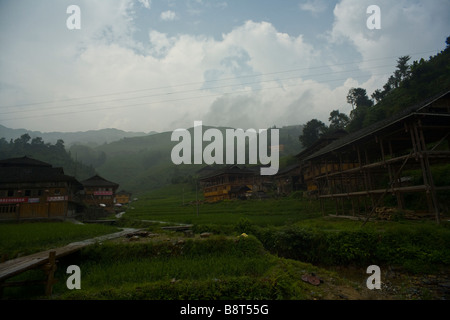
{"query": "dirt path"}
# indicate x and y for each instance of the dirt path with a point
(399, 285)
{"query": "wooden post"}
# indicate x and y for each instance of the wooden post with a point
(369, 178)
(430, 175)
(353, 205)
(424, 168)
(50, 269)
(322, 207)
(196, 195)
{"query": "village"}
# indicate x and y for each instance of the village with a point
(356, 170)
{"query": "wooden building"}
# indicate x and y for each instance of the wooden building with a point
(230, 182)
(123, 197)
(32, 189)
(289, 179)
(99, 192)
(307, 172)
(360, 170)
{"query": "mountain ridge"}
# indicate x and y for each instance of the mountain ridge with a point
(89, 137)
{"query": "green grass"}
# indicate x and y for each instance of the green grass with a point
(166, 204)
(215, 268)
(287, 236)
(30, 237)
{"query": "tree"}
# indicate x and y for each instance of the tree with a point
(60, 144)
(312, 131)
(23, 140)
(403, 69)
(37, 141)
(338, 120)
(378, 95)
(357, 97)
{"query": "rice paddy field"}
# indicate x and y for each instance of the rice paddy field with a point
(250, 249)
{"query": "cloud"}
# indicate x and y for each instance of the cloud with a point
(254, 76)
(406, 27)
(313, 6)
(145, 3)
(168, 15)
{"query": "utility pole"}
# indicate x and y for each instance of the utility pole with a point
(196, 194)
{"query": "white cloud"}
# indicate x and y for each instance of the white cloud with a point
(313, 6)
(253, 77)
(145, 3)
(406, 27)
(168, 15)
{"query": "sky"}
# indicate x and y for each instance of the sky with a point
(159, 65)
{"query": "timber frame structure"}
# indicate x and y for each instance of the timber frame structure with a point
(374, 161)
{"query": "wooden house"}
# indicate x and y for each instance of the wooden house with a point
(230, 182)
(99, 192)
(381, 156)
(123, 197)
(289, 179)
(308, 172)
(32, 189)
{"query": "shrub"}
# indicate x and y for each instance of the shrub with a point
(413, 249)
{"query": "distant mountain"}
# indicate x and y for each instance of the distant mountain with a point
(91, 137)
(142, 163)
(137, 161)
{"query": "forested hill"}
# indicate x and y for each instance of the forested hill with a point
(54, 154)
(90, 137)
(142, 163)
(411, 83)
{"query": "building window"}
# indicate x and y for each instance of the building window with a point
(8, 209)
(10, 193)
(27, 193)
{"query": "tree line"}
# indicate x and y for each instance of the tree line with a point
(409, 84)
(54, 154)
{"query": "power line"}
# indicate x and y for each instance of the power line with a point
(189, 91)
(173, 93)
(206, 81)
(171, 100)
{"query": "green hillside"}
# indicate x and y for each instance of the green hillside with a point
(54, 154)
(411, 83)
(91, 137)
(143, 163)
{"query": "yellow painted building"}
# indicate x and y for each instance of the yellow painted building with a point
(123, 197)
(32, 189)
(231, 182)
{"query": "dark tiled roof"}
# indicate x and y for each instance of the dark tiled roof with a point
(230, 169)
(372, 129)
(288, 169)
(124, 193)
(34, 174)
(23, 162)
(97, 181)
(324, 140)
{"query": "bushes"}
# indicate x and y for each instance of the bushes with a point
(416, 250)
(231, 288)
